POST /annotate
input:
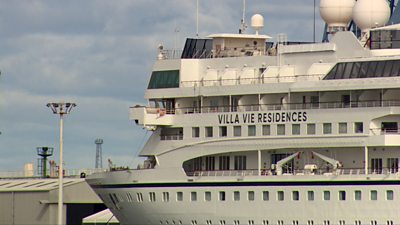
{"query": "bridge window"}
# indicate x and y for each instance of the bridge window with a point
(236, 196)
(265, 195)
(164, 79)
(250, 195)
(207, 196)
(179, 196)
(222, 196)
(280, 195)
(295, 195)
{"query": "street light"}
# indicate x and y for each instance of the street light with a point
(61, 109)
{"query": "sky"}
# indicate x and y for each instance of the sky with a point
(99, 55)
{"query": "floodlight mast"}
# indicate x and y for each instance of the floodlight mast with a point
(61, 108)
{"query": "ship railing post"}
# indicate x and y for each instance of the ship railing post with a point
(259, 162)
(366, 159)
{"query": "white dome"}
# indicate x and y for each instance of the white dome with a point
(257, 21)
(371, 13)
(336, 13)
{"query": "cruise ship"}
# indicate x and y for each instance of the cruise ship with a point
(247, 131)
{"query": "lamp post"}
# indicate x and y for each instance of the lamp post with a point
(61, 109)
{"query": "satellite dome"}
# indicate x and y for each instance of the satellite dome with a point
(336, 13)
(257, 22)
(371, 13)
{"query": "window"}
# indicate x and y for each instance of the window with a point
(296, 129)
(240, 162)
(128, 196)
(207, 196)
(393, 165)
(139, 197)
(210, 163)
(327, 128)
(389, 195)
(237, 131)
(209, 131)
(327, 195)
(280, 196)
(223, 131)
(342, 128)
(376, 165)
(179, 196)
(195, 132)
(236, 196)
(193, 196)
(165, 196)
(251, 130)
(265, 195)
(311, 128)
(342, 195)
(250, 195)
(266, 130)
(374, 195)
(280, 129)
(357, 195)
(164, 79)
(222, 196)
(358, 127)
(295, 196)
(310, 195)
(224, 163)
(152, 196)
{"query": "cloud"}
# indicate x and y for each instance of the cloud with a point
(99, 54)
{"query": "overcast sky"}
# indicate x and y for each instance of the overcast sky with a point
(99, 54)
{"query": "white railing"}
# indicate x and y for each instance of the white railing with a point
(50, 173)
(338, 172)
(274, 107)
(257, 80)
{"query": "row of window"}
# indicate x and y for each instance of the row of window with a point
(295, 195)
(358, 127)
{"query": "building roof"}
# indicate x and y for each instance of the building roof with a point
(7, 185)
(105, 216)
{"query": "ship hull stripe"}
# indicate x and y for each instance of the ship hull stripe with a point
(250, 184)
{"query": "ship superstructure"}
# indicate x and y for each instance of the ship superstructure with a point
(246, 131)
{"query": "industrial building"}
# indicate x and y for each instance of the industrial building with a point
(34, 201)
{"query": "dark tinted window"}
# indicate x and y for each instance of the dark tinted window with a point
(351, 70)
(164, 79)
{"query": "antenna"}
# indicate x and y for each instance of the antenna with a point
(99, 157)
(197, 18)
(243, 25)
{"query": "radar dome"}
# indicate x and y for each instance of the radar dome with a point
(257, 22)
(336, 13)
(368, 14)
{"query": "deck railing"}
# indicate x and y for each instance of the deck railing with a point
(50, 173)
(244, 173)
(247, 80)
(274, 107)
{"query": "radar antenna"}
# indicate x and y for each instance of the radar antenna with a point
(243, 24)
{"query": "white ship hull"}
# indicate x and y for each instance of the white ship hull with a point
(132, 203)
